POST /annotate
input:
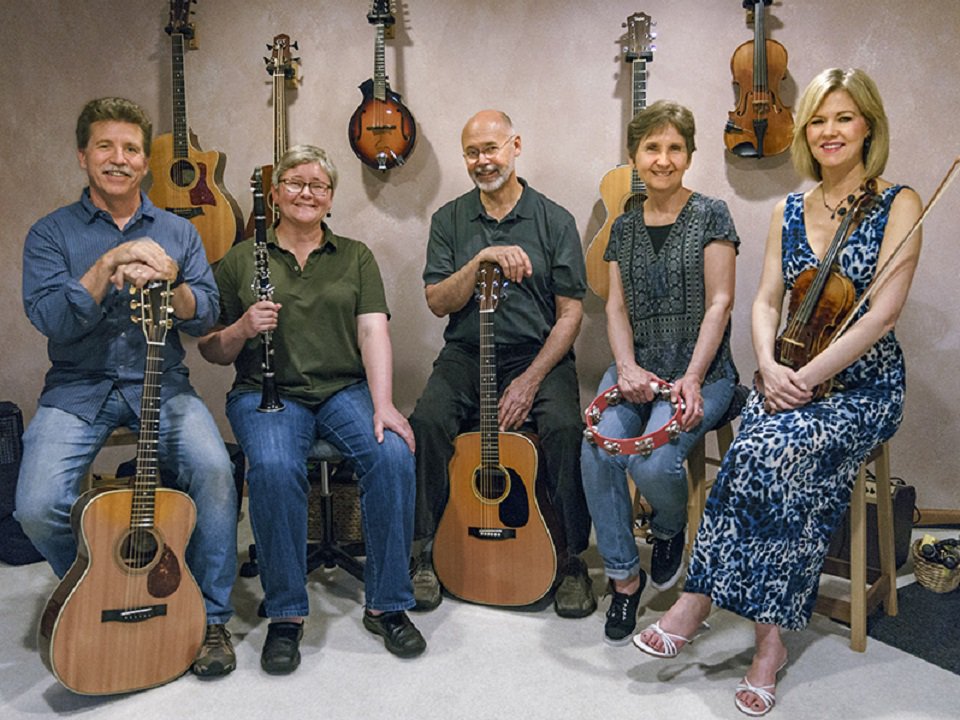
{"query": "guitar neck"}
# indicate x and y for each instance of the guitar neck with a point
(489, 417)
(145, 482)
(379, 66)
(639, 102)
(179, 98)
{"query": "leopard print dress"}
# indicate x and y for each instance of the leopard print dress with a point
(786, 481)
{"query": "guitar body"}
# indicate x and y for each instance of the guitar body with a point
(120, 621)
(493, 545)
(191, 187)
(617, 192)
(382, 132)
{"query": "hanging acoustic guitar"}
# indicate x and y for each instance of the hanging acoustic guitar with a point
(621, 188)
(187, 181)
(382, 130)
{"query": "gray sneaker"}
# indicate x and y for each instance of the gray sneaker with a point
(216, 656)
(426, 587)
(574, 597)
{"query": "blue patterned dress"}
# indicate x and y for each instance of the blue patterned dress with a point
(787, 479)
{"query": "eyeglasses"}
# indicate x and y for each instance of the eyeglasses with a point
(491, 150)
(295, 187)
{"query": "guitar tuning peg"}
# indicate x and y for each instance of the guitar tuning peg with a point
(134, 304)
(266, 60)
(169, 322)
(134, 319)
(295, 45)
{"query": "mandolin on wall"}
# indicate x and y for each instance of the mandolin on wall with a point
(382, 130)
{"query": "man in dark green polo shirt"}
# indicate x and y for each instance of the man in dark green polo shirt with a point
(535, 242)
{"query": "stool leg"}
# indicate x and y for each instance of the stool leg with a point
(858, 564)
(696, 488)
(885, 539)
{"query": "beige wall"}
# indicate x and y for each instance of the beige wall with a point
(554, 65)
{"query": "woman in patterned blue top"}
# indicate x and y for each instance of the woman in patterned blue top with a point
(668, 318)
(786, 481)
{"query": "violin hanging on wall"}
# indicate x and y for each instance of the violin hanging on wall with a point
(760, 125)
(382, 130)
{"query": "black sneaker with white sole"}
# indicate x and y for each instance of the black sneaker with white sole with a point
(667, 562)
(622, 613)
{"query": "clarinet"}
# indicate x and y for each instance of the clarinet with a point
(269, 400)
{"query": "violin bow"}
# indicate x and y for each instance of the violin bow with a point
(882, 272)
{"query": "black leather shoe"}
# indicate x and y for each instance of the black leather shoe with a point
(281, 649)
(399, 634)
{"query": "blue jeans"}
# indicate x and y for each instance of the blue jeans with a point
(58, 448)
(276, 446)
(660, 477)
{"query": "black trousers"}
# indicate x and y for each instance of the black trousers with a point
(451, 400)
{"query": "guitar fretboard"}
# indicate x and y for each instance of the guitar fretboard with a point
(179, 99)
(639, 102)
(489, 438)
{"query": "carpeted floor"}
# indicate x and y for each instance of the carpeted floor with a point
(927, 626)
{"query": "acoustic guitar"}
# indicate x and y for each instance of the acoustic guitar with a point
(382, 130)
(493, 544)
(128, 615)
(621, 188)
(284, 71)
(186, 180)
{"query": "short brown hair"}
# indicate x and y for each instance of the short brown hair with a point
(113, 108)
(863, 91)
(656, 117)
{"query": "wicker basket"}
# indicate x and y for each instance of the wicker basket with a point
(932, 575)
(347, 527)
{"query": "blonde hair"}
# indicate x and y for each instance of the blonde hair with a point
(863, 91)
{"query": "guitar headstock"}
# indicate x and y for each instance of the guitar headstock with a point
(280, 61)
(381, 13)
(638, 40)
(153, 311)
(491, 286)
(180, 24)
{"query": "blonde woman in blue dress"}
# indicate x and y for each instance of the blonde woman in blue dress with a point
(786, 481)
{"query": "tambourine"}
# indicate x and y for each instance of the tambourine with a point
(645, 444)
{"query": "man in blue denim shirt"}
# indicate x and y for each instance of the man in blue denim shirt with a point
(77, 262)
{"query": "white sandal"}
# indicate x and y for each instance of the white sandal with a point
(670, 648)
(761, 691)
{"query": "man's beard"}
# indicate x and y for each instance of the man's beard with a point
(498, 182)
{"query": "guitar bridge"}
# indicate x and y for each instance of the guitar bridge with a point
(132, 615)
(492, 533)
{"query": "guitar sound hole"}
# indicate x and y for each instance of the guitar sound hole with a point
(182, 173)
(138, 549)
(491, 484)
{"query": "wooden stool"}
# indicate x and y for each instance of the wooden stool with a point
(697, 483)
(868, 586)
(120, 436)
